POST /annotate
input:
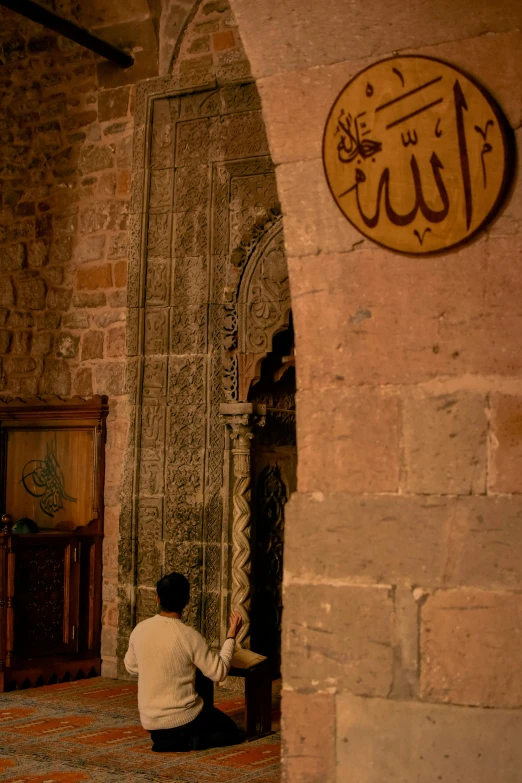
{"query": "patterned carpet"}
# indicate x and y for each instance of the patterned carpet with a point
(90, 730)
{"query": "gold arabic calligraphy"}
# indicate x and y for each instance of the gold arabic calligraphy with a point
(416, 154)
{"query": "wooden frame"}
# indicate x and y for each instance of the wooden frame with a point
(51, 463)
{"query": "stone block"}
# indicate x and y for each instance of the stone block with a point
(31, 293)
(92, 345)
(238, 135)
(110, 378)
(66, 345)
(310, 93)
(83, 299)
(445, 443)
(124, 153)
(116, 341)
(59, 299)
(108, 317)
(5, 340)
(388, 741)
(117, 434)
(348, 440)
(308, 737)
(120, 274)
(485, 543)
(61, 250)
(19, 365)
(48, 320)
(82, 383)
(95, 157)
(307, 34)
(117, 246)
(156, 331)
(118, 298)
(505, 467)
(13, 257)
(470, 648)
(192, 143)
(56, 378)
(338, 637)
(406, 644)
(21, 343)
(108, 644)
(223, 40)
(104, 216)
(90, 248)
(389, 539)
(368, 317)
(113, 104)
(20, 320)
(54, 274)
(93, 277)
(313, 222)
(76, 321)
(6, 291)
(124, 182)
(80, 120)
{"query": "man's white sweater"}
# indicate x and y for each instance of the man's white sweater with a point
(164, 653)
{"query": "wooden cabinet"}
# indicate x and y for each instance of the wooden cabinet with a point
(50, 581)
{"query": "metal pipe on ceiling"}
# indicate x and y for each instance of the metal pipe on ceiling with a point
(36, 13)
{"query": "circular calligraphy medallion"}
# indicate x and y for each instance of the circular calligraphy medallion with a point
(416, 154)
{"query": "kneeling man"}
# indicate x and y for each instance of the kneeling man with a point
(165, 653)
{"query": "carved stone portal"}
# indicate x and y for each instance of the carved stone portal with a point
(208, 290)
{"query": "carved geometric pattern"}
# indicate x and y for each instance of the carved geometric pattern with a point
(209, 199)
(40, 585)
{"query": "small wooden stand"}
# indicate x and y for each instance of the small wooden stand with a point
(258, 693)
(258, 698)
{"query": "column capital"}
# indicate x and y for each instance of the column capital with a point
(241, 418)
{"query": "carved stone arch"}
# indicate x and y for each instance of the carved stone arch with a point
(257, 305)
(263, 305)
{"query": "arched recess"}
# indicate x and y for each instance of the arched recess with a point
(260, 449)
(204, 211)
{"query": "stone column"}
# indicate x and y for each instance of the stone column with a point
(241, 419)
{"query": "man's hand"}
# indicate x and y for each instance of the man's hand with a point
(236, 621)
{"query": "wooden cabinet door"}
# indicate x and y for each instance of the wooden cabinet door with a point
(44, 571)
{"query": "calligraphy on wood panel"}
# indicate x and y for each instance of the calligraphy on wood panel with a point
(417, 154)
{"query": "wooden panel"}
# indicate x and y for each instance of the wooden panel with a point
(45, 596)
(51, 476)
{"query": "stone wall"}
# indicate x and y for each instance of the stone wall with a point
(402, 607)
(66, 137)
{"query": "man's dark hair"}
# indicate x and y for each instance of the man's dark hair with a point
(173, 592)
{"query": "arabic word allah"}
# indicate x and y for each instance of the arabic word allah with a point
(44, 479)
(416, 154)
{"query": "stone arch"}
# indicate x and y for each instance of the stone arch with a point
(257, 304)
